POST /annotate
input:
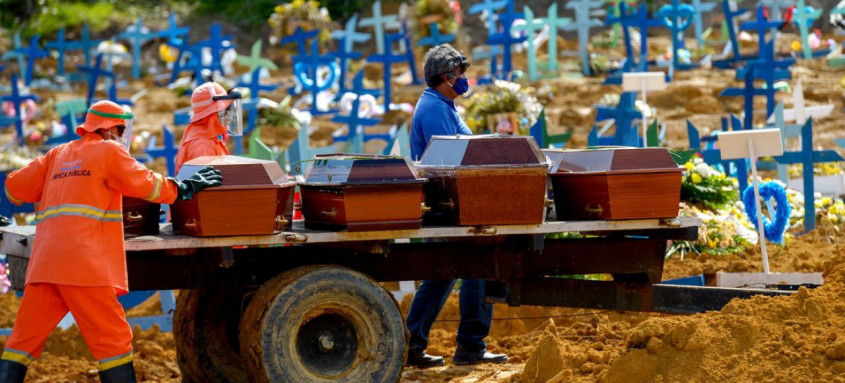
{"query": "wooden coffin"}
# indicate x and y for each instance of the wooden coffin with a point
(255, 199)
(617, 183)
(484, 180)
(362, 192)
(140, 217)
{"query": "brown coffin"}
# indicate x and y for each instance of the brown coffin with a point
(140, 217)
(618, 183)
(484, 180)
(255, 199)
(362, 192)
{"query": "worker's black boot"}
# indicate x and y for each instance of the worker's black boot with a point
(11, 372)
(125, 373)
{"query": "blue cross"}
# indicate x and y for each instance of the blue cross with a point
(84, 44)
(490, 6)
(435, 38)
(137, 36)
(17, 99)
(255, 88)
(306, 66)
(761, 25)
(355, 124)
(192, 63)
(168, 150)
(504, 38)
(60, 46)
(807, 157)
(218, 44)
(32, 52)
(583, 23)
(409, 53)
(638, 18)
(729, 22)
(767, 69)
(346, 49)
(300, 37)
(379, 22)
(492, 54)
(677, 17)
(699, 9)
(173, 34)
(387, 60)
(94, 73)
(13, 54)
(623, 114)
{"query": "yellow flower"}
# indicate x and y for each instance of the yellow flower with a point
(826, 201)
(688, 165)
(833, 219)
(696, 178)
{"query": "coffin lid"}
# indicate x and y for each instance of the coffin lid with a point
(237, 171)
(482, 150)
(636, 160)
(359, 169)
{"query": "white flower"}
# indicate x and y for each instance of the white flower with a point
(703, 170)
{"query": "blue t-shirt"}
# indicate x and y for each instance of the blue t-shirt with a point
(435, 115)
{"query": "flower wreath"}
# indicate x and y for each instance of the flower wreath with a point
(773, 229)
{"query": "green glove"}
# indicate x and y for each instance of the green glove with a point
(205, 178)
(4, 221)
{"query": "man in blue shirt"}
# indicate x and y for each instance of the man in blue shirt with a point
(435, 114)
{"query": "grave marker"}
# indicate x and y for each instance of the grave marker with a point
(168, 150)
(677, 17)
(700, 8)
(623, 114)
(346, 49)
(16, 98)
(254, 60)
(137, 35)
(435, 38)
(218, 44)
(804, 17)
(59, 45)
(530, 27)
(84, 44)
(32, 53)
(505, 38)
(379, 23)
(583, 23)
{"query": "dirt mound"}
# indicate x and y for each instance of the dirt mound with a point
(796, 338)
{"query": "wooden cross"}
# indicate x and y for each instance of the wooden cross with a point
(255, 88)
(218, 44)
(554, 24)
(480, 53)
(84, 44)
(677, 18)
(137, 34)
(347, 38)
(775, 12)
(530, 27)
(435, 38)
(583, 23)
(173, 34)
(388, 59)
(254, 60)
(635, 19)
(168, 150)
(730, 26)
(354, 122)
(60, 47)
(804, 18)
(623, 114)
(94, 73)
(13, 54)
(192, 63)
(489, 6)
(801, 113)
(768, 69)
(505, 38)
(32, 53)
(761, 25)
(17, 99)
(379, 23)
(306, 70)
(699, 9)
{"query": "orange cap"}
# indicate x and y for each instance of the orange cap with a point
(103, 115)
(202, 103)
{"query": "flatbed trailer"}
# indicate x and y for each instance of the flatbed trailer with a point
(306, 306)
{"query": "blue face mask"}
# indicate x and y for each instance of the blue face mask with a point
(461, 85)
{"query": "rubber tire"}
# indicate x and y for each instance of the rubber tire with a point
(206, 326)
(286, 305)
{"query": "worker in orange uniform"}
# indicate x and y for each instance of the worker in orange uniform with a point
(78, 262)
(216, 115)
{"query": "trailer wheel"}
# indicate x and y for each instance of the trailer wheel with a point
(206, 335)
(323, 324)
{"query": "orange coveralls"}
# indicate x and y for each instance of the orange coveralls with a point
(78, 262)
(201, 139)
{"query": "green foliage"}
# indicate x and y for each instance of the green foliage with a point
(341, 10)
(307, 15)
(704, 185)
(246, 14)
(280, 117)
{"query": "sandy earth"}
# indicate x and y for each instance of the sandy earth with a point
(798, 339)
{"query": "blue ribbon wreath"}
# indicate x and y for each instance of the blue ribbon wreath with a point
(773, 229)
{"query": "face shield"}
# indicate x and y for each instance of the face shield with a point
(230, 116)
(128, 118)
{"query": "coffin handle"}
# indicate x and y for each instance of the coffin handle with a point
(448, 204)
(424, 208)
(593, 210)
(191, 225)
(330, 213)
(134, 217)
(295, 238)
(483, 230)
(281, 222)
(549, 202)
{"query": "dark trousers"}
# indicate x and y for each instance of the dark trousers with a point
(476, 315)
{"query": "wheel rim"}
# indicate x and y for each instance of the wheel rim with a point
(327, 344)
